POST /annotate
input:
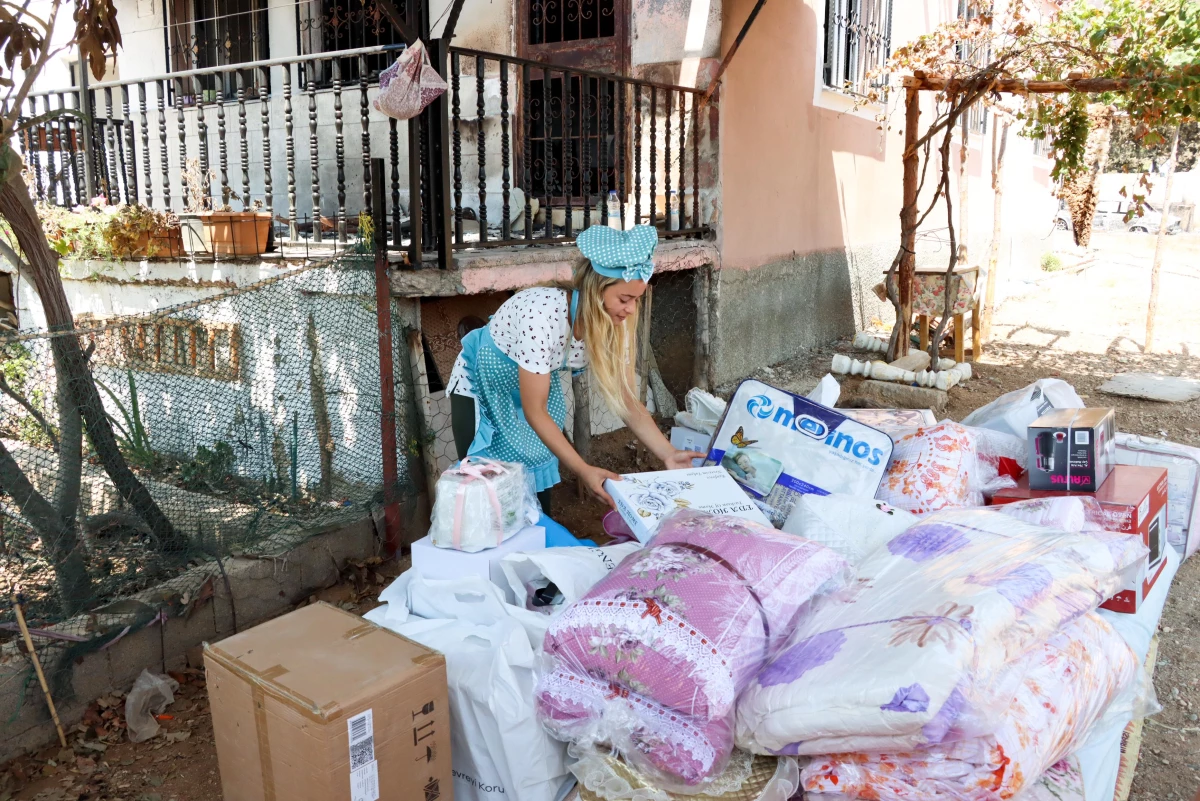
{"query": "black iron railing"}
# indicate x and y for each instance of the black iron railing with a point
(551, 150)
(517, 153)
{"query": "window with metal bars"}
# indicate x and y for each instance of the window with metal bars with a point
(557, 160)
(975, 54)
(329, 26)
(552, 21)
(217, 33)
(858, 41)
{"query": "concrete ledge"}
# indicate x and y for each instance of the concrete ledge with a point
(502, 269)
(261, 589)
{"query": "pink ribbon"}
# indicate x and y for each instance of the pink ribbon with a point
(471, 469)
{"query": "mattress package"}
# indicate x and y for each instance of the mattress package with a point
(779, 446)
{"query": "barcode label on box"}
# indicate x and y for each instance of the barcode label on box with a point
(1083, 437)
(364, 771)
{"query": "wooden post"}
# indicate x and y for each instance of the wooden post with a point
(387, 374)
(643, 345)
(908, 216)
(1156, 269)
(416, 360)
(999, 143)
(700, 348)
(582, 427)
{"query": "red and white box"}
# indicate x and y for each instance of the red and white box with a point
(1135, 502)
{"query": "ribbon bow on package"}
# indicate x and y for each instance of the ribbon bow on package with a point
(480, 503)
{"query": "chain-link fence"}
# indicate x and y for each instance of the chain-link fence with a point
(247, 421)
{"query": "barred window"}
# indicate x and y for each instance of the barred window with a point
(976, 54)
(217, 33)
(858, 41)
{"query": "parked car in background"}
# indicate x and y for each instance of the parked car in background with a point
(1110, 216)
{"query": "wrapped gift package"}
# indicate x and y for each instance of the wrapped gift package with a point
(643, 499)
(780, 446)
(480, 503)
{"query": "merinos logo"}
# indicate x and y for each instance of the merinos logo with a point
(763, 408)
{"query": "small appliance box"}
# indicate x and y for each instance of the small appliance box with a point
(1072, 449)
(1135, 502)
(434, 562)
(686, 439)
(321, 705)
(644, 499)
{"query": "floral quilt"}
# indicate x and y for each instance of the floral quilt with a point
(1068, 682)
(681, 626)
(905, 658)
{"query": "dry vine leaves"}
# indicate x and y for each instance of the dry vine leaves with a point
(96, 32)
(22, 42)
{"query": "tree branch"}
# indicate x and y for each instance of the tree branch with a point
(34, 413)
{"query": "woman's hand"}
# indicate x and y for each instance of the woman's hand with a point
(594, 478)
(680, 460)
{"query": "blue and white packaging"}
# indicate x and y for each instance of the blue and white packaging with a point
(779, 446)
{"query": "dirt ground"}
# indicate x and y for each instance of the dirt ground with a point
(1082, 325)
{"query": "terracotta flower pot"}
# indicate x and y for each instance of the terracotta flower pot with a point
(236, 233)
(164, 245)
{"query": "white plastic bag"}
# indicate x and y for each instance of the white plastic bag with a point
(571, 571)
(498, 749)
(409, 85)
(150, 695)
(480, 503)
(704, 411)
(1012, 413)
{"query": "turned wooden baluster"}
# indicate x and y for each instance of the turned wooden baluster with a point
(146, 174)
(339, 149)
(314, 150)
(264, 116)
(162, 143)
(289, 147)
(505, 177)
(364, 110)
(244, 138)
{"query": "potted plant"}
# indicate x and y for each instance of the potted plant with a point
(223, 232)
(136, 231)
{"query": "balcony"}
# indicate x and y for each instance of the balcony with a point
(517, 153)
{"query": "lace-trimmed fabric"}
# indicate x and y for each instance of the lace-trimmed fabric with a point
(684, 625)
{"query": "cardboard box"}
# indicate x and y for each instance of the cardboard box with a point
(1134, 500)
(1072, 449)
(300, 700)
(446, 563)
(644, 499)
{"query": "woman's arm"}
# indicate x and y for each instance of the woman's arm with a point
(644, 428)
(535, 392)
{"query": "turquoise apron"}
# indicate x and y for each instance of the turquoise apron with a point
(501, 431)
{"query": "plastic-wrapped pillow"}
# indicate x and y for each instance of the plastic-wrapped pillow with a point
(932, 469)
(673, 634)
(934, 619)
(852, 526)
(1067, 512)
(1067, 684)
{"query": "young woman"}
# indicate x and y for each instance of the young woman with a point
(506, 400)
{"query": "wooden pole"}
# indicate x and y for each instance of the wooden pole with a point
(908, 216)
(582, 427)
(706, 98)
(387, 375)
(416, 362)
(1017, 86)
(999, 145)
(37, 666)
(1160, 245)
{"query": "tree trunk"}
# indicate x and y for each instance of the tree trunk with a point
(1163, 225)
(1080, 191)
(908, 226)
(999, 145)
(17, 208)
(59, 535)
(70, 450)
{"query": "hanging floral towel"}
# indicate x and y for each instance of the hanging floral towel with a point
(409, 85)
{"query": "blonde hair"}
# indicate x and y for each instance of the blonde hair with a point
(609, 345)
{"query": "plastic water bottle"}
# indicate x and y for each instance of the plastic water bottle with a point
(673, 211)
(614, 210)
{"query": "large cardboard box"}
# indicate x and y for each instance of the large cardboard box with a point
(1072, 449)
(321, 705)
(1135, 502)
(644, 499)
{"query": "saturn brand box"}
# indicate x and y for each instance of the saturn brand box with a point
(1072, 449)
(644, 499)
(321, 705)
(1134, 500)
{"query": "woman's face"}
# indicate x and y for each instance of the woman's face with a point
(620, 299)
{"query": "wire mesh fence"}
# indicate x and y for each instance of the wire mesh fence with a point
(245, 421)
